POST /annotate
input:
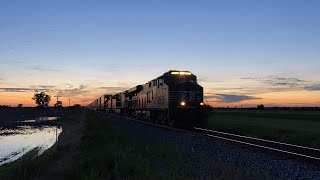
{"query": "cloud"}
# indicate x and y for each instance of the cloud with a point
(279, 81)
(39, 68)
(70, 85)
(47, 87)
(285, 83)
(84, 92)
(3, 81)
(230, 98)
(21, 89)
(81, 90)
(288, 82)
(113, 89)
(206, 80)
(209, 96)
(26, 89)
(313, 87)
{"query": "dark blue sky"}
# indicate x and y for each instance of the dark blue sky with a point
(121, 43)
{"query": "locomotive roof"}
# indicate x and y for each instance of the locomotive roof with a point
(169, 73)
(173, 72)
(140, 87)
(182, 72)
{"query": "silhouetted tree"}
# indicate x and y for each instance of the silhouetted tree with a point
(42, 99)
(261, 106)
(4, 106)
(20, 105)
(208, 107)
(58, 104)
(77, 106)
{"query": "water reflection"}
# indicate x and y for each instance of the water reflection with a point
(41, 119)
(14, 143)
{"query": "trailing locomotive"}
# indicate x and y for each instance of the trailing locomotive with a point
(100, 103)
(175, 98)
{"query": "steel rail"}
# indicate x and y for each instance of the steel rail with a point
(258, 139)
(265, 147)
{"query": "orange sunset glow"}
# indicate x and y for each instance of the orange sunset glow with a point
(217, 99)
(242, 57)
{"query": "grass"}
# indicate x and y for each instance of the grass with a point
(291, 126)
(110, 151)
(28, 167)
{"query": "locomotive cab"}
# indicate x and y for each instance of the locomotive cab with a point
(184, 91)
(185, 100)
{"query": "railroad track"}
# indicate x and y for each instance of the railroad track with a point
(303, 153)
(280, 147)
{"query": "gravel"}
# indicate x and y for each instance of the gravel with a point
(209, 156)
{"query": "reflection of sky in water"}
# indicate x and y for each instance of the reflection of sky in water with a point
(41, 119)
(14, 143)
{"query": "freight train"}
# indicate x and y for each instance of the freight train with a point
(175, 99)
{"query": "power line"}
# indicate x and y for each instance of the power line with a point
(57, 96)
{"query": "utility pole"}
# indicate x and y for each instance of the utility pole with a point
(69, 102)
(57, 96)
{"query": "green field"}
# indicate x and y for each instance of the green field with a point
(290, 126)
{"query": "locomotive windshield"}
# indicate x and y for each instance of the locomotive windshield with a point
(178, 78)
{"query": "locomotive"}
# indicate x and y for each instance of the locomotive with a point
(175, 99)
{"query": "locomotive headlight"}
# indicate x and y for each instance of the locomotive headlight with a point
(182, 103)
(201, 104)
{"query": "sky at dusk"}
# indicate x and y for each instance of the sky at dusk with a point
(244, 52)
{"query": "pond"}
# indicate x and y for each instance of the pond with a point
(16, 142)
(41, 119)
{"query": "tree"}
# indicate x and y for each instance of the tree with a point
(42, 99)
(261, 106)
(4, 106)
(58, 104)
(77, 106)
(20, 105)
